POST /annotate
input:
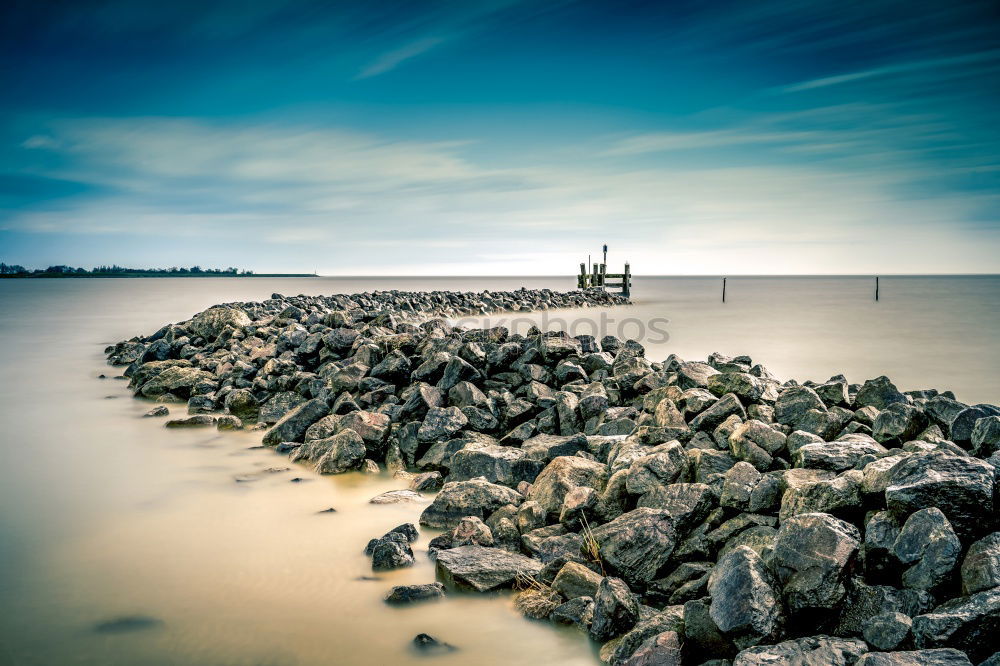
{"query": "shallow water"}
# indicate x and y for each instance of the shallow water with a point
(107, 517)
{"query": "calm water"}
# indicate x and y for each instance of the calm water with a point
(104, 514)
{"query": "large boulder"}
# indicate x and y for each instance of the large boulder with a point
(726, 406)
(484, 569)
(878, 393)
(745, 605)
(293, 425)
(635, 545)
(899, 423)
(176, 380)
(497, 464)
(562, 475)
(837, 456)
(213, 321)
(576, 580)
(939, 657)
(615, 610)
(928, 546)
(970, 624)
(457, 499)
(810, 651)
(812, 556)
(962, 487)
(660, 468)
(981, 567)
(344, 451)
(794, 402)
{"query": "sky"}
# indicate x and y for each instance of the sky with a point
(502, 137)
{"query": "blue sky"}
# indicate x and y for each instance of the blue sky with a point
(502, 137)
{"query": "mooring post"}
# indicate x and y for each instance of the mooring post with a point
(876, 287)
(723, 290)
(594, 281)
(627, 282)
(582, 277)
(604, 275)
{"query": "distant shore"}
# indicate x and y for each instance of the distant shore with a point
(156, 275)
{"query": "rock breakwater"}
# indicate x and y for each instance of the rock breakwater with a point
(677, 512)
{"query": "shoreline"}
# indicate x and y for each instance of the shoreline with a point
(648, 501)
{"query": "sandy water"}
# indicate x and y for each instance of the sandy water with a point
(105, 514)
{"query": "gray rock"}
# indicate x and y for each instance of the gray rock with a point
(840, 496)
(576, 580)
(744, 386)
(495, 463)
(745, 605)
(985, 436)
(878, 393)
(739, 482)
(344, 451)
(888, 631)
(970, 624)
(687, 504)
(391, 554)
(810, 651)
(838, 456)
(578, 611)
(663, 649)
(723, 408)
(397, 497)
(292, 427)
(627, 647)
(981, 566)
(930, 547)
(213, 321)
(864, 602)
(794, 402)
(961, 487)
(562, 475)
(660, 468)
(457, 499)
(813, 554)
(941, 657)
(408, 594)
(899, 423)
(637, 544)
(440, 423)
(483, 569)
(615, 610)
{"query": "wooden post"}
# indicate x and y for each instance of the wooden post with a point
(876, 287)
(627, 282)
(723, 290)
(604, 275)
(594, 281)
(582, 277)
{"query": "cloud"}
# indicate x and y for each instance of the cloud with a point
(899, 68)
(355, 203)
(389, 61)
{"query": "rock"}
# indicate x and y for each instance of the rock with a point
(686, 504)
(840, 496)
(671, 620)
(663, 649)
(160, 410)
(929, 545)
(579, 508)
(702, 637)
(615, 610)
(547, 447)
(813, 554)
(961, 428)
(483, 569)
(723, 408)
(441, 423)
(344, 451)
(878, 393)
(694, 375)
(969, 624)
(637, 544)
(562, 475)
(457, 499)
(407, 594)
(292, 427)
(943, 657)
(427, 482)
(658, 469)
(428, 644)
(756, 443)
(744, 603)
(739, 482)
(575, 580)
(471, 531)
(810, 651)
(397, 497)
(837, 456)
(537, 603)
(578, 611)
(888, 631)
(985, 436)
(494, 463)
(241, 404)
(213, 321)
(899, 423)
(864, 602)
(199, 421)
(793, 403)
(961, 487)
(744, 386)
(391, 554)
(981, 567)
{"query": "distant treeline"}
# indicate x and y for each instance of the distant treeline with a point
(14, 270)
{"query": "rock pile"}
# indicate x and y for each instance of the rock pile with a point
(677, 512)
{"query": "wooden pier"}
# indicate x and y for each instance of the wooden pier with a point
(598, 278)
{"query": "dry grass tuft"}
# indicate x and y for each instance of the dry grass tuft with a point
(592, 549)
(537, 603)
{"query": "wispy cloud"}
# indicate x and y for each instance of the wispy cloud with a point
(899, 68)
(389, 61)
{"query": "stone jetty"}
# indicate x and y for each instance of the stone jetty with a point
(676, 511)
